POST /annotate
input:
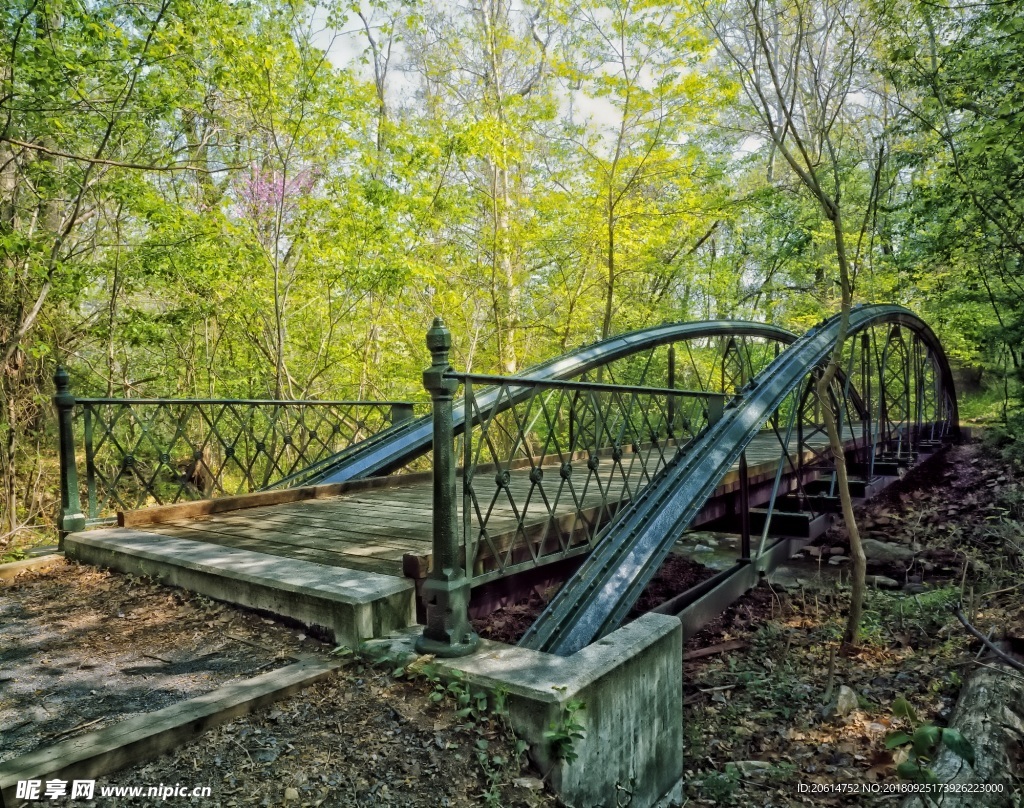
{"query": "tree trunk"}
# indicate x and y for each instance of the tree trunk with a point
(990, 715)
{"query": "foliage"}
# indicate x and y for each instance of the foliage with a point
(17, 554)
(566, 731)
(262, 199)
(921, 744)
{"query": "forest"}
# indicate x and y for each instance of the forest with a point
(271, 199)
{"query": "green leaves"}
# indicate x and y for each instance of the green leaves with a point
(901, 709)
(563, 733)
(958, 744)
(922, 744)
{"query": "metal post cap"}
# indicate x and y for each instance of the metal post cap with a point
(439, 338)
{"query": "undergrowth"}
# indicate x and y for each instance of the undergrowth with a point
(482, 716)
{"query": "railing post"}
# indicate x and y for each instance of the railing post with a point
(671, 384)
(716, 408)
(71, 517)
(866, 428)
(744, 508)
(445, 591)
(401, 411)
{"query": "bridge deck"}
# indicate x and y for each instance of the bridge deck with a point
(382, 529)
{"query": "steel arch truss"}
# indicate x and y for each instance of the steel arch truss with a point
(706, 358)
(892, 398)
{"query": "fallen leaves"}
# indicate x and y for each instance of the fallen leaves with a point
(763, 702)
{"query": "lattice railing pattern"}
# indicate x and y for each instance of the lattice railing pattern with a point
(133, 453)
(548, 463)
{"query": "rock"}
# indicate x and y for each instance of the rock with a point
(291, 794)
(703, 548)
(531, 783)
(885, 552)
(785, 579)
(846, 701)
(915, 589)
(842, 705)
(835, 561)
(813, 551)
(882, 582)
(837, 551)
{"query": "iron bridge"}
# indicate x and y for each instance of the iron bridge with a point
(591, 465)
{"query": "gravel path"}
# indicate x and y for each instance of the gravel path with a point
(82, 648)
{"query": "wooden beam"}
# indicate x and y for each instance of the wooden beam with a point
(95, 754)
(208, 507)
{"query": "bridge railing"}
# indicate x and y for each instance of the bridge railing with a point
(125, 454)
(547, 463)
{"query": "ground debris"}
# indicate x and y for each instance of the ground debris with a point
(765, 702)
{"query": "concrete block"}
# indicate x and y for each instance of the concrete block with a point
(352, 605)
(631, 684)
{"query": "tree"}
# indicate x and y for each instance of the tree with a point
(957, 74)
(484, 80)
(800, 65)
(89, 97)
(637, 76)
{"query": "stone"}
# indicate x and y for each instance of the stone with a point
(886, 552)
(843, 704)
(835, 561)
(291, 794)
(749, 767)
(530, 783)
(846, 701)
(785, 578)
(703, 548)
(883, 582)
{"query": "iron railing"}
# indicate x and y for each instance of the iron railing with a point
(547, 463)
(617, 471)
(132, 453)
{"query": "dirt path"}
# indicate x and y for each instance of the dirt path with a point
(82, 648)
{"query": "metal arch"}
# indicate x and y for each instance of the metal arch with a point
(393, 448)
(598, 596)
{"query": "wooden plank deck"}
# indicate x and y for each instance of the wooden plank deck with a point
(375, 528)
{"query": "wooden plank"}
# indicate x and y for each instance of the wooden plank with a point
(253, 539)
(342, 519)
(346, 529)
(205, 507)
(12, 569)
(95, 754)
(326, 557)
(712, 650)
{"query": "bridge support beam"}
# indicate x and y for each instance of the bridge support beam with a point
(448, 632)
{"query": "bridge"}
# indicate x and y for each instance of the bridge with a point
(402, 520)
(588, 468)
